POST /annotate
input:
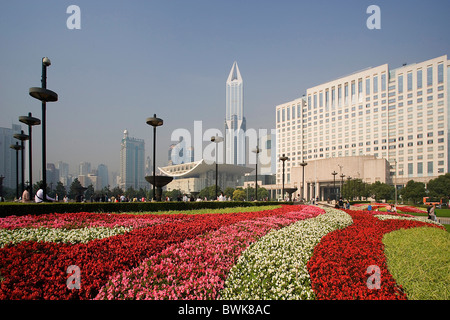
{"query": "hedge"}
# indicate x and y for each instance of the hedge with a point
(21, 209)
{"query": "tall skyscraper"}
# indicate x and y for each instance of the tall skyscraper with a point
(8, 156)
(132, 163)
(102, 172)
(235, 124)
(84, 168)
(63, 172)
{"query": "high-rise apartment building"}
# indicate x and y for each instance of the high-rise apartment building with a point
(132, 163)
(8, 156)
(399, 115)
(102, 172)
(235, 123)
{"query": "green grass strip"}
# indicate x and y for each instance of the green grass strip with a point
(419, 260)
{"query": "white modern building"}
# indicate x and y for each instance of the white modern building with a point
(235, 123)
(399, 114)
(195, 176)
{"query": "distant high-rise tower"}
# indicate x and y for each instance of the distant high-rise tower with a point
(8, 156)
(235, 124)
(132, 163)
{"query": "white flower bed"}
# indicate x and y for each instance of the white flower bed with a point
(422, 219)
(275, 267)
(81, 235)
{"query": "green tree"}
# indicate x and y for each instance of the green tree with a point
(74, 187)
(210, 192)
(116, 192)
(89, 192)
(239, 194)
(173, 194)
(413, 191)
(60, 190)
(262, 193)
(440, 187)
(380, 191)
(229, 192)
(355, 188)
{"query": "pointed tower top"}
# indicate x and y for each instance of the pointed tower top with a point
(234, 75)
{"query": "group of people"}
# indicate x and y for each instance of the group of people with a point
(38, 198)
(342, 205)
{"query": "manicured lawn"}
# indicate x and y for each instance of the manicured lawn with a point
(419, 260)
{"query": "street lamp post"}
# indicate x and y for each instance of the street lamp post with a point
(216, 139)
(257, 151)
(154, 122)
(17, 148)
(303, 164)
(22, 137)
(283, 158)
(342, 183)
(1, 188)
(30, 121)
(45, 96)
(334, 173)
(351, 193)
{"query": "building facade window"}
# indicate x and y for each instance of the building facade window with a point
(419, 79)
(430, 76)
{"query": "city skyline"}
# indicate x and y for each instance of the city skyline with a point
(171, 59)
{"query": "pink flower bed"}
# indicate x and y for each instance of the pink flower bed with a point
(83, 220)
(196, 268)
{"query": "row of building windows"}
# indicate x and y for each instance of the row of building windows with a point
(353, 91)
(285, 113)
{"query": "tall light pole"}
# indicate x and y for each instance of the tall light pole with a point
(257, 151)
(17, 148)
(22, 137)
(342, 183)
(216, 139)
(283, 158)
(154, 122)
(45, 96)
(30, 121)
(334, 173)
(351, 193)
(303, 164)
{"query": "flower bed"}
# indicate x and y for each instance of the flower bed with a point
(293, 252)
(196, 268)
(37, 270)
(275, 266)
(339, 265)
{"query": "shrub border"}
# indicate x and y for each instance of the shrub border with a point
(21, 209)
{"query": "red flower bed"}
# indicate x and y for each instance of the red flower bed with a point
(37, 270)
(338, 267)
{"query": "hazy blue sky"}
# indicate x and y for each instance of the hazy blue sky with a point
(132, 59)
